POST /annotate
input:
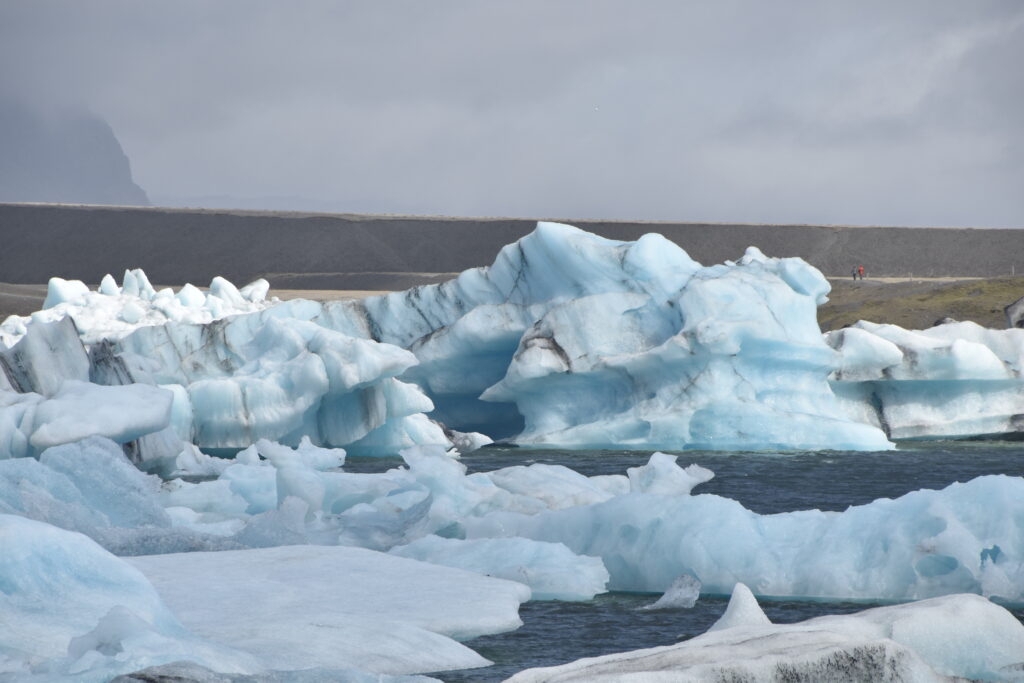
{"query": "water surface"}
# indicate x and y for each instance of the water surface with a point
(558, 632)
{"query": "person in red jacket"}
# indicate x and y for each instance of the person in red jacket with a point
(860, 271)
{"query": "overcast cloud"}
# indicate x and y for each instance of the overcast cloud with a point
(906, 113)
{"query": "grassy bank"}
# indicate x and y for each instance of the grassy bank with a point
(917, 304)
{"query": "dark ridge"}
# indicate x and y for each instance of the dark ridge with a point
(175, 246)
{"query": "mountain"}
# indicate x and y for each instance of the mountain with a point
(62, 155)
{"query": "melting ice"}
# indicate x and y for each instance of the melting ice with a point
(567, 340)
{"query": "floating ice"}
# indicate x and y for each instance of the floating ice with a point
(568, 339)
(599, 343)
(661, 476)
(91, 487)
(298, 607)
(69, 610)
(264, 376)
(682, 594)
(551, 570)
(47, 355)
(952, 380)
(48, 399)
(964, 538)
(82, 409)
(957, 635)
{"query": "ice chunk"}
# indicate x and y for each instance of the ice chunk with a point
(954, 636)
(557, 486)
(313, 606)
(68, 602)
(733, 361)
(82, 409)
(922, 544)
(112, 312)
(187, 672)
(44, 357)
(467, 442)
(682, 594)
(742, 610)
(60, 291)
(661, 476)
(91, 487)
(952, 380)
(254, 377)
(255, 291)
(599, 343)
(551, 570)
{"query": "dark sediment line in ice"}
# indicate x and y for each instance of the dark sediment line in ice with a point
(344, 251)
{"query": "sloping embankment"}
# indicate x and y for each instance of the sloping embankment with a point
(342, 251)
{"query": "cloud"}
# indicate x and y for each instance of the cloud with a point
(838, 112)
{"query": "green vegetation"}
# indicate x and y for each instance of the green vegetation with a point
(917, 304)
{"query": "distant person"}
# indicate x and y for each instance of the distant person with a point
(853, 272)
(860, 271)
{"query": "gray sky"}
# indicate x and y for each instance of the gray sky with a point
(862, 112)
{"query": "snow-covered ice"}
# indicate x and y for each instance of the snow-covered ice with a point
(111, 312)
(296, 607)
(954, 636)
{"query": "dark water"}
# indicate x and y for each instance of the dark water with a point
(559, 632)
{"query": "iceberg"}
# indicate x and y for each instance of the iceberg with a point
(965, 538)
(567, 340)
(950, 381)
(682, 594)
(69, 610)
(572, 340)
(270, 376)
(961, 636)
(47, 399)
